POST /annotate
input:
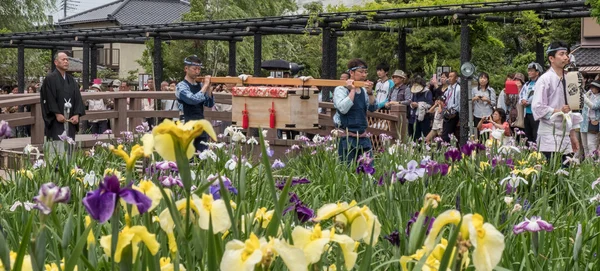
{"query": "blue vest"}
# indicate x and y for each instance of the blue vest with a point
(192, 111)
(355, 120)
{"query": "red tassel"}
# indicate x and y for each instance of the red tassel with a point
(272, 119)
(245, 122)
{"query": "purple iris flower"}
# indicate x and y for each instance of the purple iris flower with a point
(427, 223)
(598, 210)
(534, 224)
(50, 194)
(394, 238)
(166, 165)
(470, 147)
(366, 168)
(432, 167)
(215, 188)
(100, 203)
(365, 158)
(411, 172)
(5, 131)
(277, 164)
(169, 181)
(281, 183)
(303, 213)
(453, 154)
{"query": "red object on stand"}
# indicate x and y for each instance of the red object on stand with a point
(272, 116)
(245, 122)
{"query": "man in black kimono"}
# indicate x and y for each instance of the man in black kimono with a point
(57, 89)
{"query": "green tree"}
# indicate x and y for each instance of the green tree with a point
(19, 16)
(24, 15)
(215, 53)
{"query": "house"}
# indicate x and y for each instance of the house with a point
(587, 55)
(121, 57)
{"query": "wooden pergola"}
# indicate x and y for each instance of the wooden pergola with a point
(329, 25)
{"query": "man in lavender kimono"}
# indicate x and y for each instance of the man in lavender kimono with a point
(557, 133)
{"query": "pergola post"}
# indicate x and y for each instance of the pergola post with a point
(333, 42)
(257, 54)
(21, 67)
(539, 52)
(232, 58)
(402, 49)
(52, 54)
(85, 71)
(158, 63)
(465, 56)
(325, 62)
(93, 62)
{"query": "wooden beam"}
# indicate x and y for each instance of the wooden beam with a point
(279, 81)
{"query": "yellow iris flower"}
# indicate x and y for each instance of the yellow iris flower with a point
(246, 255)
(149, 189)
(363, 223)
(91, 239)
(136, 153)
(312, 242)
(215, 209)
(166, 265)
(445, 218)
(13, 257)
(27, 173)
(131, 236)
(432, 263)
(263, 216)
(485, 238)
(54, 267)
(165, 136)
(166, 220)
(242, 256)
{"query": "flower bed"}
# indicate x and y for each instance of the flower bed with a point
(410, 207)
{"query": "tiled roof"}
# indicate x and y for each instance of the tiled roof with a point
(132, 12)
(585, 56)
(76, 65)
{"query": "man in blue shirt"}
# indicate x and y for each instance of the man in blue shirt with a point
(193, 96)
(352, 104)
(534, 70)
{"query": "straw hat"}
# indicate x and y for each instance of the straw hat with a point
(399, 73)
(96, 86)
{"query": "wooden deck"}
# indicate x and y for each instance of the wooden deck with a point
(17, 144)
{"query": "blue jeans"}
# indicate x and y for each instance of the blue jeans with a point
(350, 148)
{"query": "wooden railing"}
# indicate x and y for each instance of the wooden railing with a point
(393, 122)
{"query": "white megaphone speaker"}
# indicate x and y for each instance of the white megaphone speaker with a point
(467, 69)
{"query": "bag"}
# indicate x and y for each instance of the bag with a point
(449, 114)
(593, 127)
(520, 118)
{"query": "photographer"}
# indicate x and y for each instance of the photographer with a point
(484, 98)
(496, 121)
(452, 107)
(438, 118)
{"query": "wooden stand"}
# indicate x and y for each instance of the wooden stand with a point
(298, 109)
(292, 112)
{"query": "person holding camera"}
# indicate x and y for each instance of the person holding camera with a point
(494, 122)
(438, 118)
(484, 98)
(452, 107)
